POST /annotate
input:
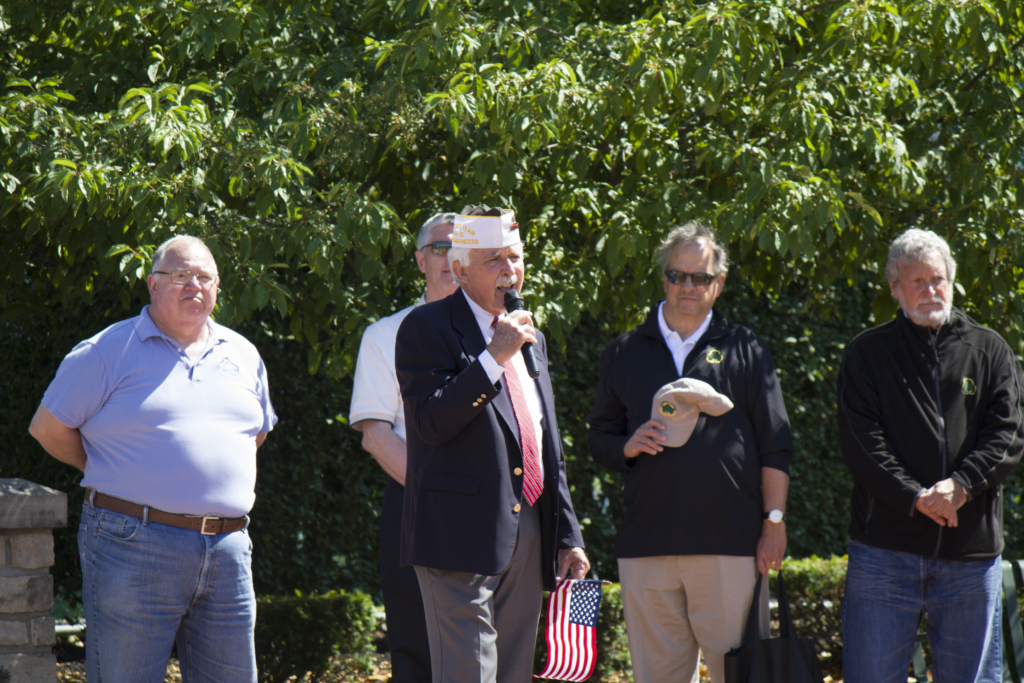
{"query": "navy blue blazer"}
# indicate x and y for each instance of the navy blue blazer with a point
(463, 449)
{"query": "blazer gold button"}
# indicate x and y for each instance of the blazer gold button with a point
(483, 396)
(517, 471)
(476, 403)
(517, 508)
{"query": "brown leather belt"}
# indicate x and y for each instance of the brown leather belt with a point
(208, 526)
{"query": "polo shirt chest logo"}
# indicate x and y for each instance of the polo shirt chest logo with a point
(714, 356)
(228, 368)
(969, 387)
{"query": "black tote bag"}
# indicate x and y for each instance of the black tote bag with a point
(777, 660)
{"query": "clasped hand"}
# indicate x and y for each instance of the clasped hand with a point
(510, 333)
(940, 502)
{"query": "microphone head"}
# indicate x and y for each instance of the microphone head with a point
(513, 301)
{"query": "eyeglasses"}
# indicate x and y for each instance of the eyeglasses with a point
(678, 277)
(439, 248)
(183, 277)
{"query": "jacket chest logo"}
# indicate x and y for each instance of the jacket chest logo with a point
(969, 387)
(713, 356)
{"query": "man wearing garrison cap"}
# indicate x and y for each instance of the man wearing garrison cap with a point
(487, 523)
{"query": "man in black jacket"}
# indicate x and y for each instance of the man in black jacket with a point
(697, 528)
(930, 425)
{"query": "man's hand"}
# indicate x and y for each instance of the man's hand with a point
(647, 438)
(771, 547)
(573, 559)
(510, 333)
(941, 502)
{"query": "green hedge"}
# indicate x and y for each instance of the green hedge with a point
(296, 635)
(815, 589)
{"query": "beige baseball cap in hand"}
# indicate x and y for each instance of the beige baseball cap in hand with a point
(678, 404)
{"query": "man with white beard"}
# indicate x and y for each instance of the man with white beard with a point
(930, 426)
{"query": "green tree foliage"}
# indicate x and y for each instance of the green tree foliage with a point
(307, 140)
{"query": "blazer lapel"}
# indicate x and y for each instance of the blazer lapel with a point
(473, 345)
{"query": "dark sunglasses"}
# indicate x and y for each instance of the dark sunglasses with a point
(678, 277)
(439, 248)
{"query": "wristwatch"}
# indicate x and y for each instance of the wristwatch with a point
(775, 516)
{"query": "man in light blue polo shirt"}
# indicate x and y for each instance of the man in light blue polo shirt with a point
(164, 413)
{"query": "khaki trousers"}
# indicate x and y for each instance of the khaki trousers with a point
(677, 606)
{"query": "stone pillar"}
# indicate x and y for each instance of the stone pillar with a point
(28, 513)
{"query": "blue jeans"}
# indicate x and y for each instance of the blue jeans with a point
(147, 586)
(886, 591)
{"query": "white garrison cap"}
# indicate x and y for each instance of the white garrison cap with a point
(486, 232)
(677, 406)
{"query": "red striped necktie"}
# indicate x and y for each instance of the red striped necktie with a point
(533, 484)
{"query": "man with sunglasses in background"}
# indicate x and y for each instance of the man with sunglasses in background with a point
(164, 413)
(703, 516)
(378, 413)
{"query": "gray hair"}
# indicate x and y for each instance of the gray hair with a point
(460, 254)
(187, 241)
(423, 237)
(693, 232)
(914, 246)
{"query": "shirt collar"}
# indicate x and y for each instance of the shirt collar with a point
(671, 335)
(146, 328)
(483, 318)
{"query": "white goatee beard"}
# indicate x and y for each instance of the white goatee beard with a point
(930, 318)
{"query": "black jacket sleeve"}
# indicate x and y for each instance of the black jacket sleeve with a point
(1001, 438)
(608, 433)
(767, 409)
(867, 452)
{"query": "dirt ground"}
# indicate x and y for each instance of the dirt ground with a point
(340, 672)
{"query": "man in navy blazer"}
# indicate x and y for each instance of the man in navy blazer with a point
(487, 514)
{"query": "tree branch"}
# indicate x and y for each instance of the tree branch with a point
(995, 62)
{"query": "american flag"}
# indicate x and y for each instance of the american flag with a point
(572, 630)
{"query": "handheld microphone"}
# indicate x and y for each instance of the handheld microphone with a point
(514, 302)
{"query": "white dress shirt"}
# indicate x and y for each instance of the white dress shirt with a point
(680, 348)
(531, 393)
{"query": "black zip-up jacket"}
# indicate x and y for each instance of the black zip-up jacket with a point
(703, 498)
(917, 406)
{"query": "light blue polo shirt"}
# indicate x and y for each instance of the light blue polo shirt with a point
(161, 429)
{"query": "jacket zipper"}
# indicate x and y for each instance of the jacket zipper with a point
(942, 422)
(867, 519)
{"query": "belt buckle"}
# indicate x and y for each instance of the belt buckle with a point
(202, 527)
